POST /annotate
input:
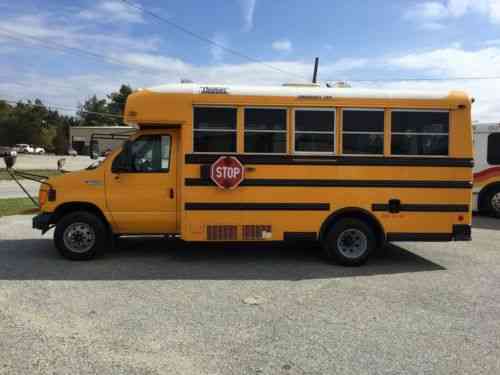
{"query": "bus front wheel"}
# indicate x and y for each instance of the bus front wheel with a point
(81, 235)
(349, 242)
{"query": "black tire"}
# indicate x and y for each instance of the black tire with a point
(362, 234)
(91, 222)
(487, 202)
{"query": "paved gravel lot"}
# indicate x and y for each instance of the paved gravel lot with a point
(157, 307)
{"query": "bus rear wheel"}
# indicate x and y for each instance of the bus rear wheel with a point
(81, 235)
(349, 242)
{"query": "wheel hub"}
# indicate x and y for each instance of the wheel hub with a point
(495, 202)
(352, 243)
(79, 237)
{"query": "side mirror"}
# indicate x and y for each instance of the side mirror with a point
(94, 149)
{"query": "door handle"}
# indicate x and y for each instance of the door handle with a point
(171, 193)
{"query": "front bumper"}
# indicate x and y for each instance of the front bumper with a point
(43, 221)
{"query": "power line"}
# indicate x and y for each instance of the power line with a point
(209, 41)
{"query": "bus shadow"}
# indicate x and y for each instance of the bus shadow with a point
(159, 259)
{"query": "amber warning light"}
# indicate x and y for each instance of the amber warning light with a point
(227, 172)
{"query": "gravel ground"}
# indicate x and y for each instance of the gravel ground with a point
(158, 307)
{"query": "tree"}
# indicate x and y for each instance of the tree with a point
(93, 112)
(117, 101)
(34, 123)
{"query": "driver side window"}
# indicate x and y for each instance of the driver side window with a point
(150, 154)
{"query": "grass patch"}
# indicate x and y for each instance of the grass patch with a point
(16, 206)
(42, 172)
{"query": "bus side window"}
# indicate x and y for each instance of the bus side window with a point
(265, 130)
(493, 157)
(214, 129)
(314, 131)
(362, 131)
(420, 132)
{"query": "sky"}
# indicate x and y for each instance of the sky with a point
(64, 51)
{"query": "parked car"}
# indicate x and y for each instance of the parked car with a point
(38, 150)
(24, 148)
(72, 152)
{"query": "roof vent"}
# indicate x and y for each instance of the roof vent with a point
(338, 84)
(301, 85)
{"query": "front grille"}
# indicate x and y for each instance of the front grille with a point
(222, 232)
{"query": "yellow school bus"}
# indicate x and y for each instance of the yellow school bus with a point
(352, 168)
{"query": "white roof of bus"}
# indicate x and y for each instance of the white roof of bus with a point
(189, 88)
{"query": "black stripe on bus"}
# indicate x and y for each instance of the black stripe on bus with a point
(425, 237)
(339, 183)
(334, 160)
(423, 207)
(257, 206)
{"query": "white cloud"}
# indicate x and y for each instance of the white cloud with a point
(248, 9)
(283, 45)
(429, 10)
(114, 11)
(155, 62)
(492, 42)
(43, 27)
(457, 62)
(452, 61)
(432, 26)
(432, 15)
(495, 11)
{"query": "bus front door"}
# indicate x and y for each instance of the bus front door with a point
(142, 199)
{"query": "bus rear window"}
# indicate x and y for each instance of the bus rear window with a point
(493, 157)
(214, 129)
(417, 132)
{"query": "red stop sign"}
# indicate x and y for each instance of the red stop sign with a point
(227, 172)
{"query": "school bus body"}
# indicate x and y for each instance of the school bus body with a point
(287, 195)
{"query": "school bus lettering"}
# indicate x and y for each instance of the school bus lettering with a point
(351, 168)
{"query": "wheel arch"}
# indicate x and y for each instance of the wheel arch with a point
(69, 207)
(357, 213)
